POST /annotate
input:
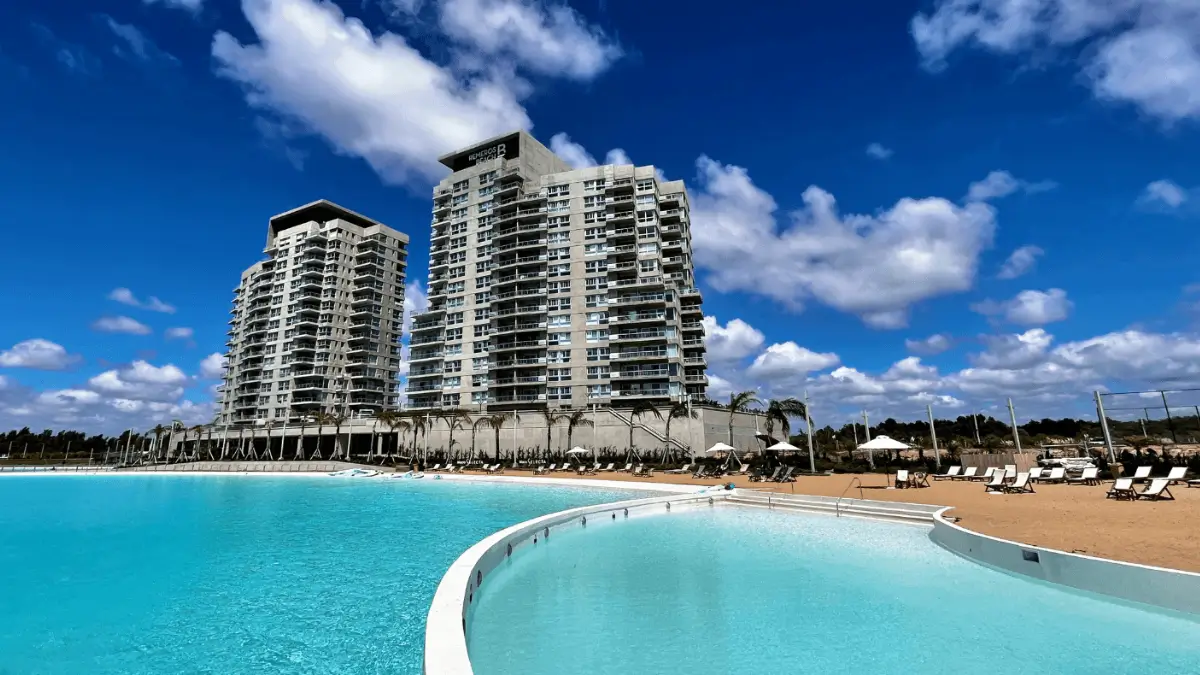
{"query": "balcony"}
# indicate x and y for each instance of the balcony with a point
(642, 374)
(427, 325)
(639, 355)
(424, 372)
(512, 381)
(534, 362)
(693, 342)
(638, 299)
(525, 260)
(520, 244)
(519, 398)
(642, 392)
(416, 357)
(670, 200)
(520, 309)
(522, 344)
(519, 293)
(639, 317)
(696, 379)
(695, 360)
(518, 327)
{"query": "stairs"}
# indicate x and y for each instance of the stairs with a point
(919, 514)
(662, 438)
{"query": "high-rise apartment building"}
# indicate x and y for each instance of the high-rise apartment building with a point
(555, 286)
(316, 326)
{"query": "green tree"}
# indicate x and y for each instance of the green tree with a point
(740, 402)
(639, 410)
(679, 410)
(551, 418)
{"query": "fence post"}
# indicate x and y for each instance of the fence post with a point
(937, 456)
(1112, 454)
(1012, 415)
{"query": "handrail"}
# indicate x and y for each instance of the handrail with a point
(838, 504)
(628, 421)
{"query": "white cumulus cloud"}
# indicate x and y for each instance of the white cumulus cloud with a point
(1020, 262)
(1029, 308)
(120, 324)
(878, 151)
(38, 354)
(930, 346)
(873, 266)
(213, 367)
(1142, 52)
(999, 184)
(1164, 194)
(141, 381)
(126, 297)
(732, 342)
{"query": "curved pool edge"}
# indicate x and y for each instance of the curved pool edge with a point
(445, 626)
(1158, 587)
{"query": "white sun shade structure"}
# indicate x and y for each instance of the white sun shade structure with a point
(784, 446)
(577, 451)
(883, 443)
(722, 447)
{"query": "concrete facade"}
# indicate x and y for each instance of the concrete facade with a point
(555, 287)
(316, 326)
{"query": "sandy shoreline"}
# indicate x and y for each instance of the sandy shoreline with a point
(1077, 519)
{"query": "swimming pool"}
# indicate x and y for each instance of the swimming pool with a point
(191, 574)
(745, 590)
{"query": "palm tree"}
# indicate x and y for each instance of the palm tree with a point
(158, 431)
(399, 425)
(299, 451)
(253, 439)
(781, 411)
(551, 417)
(479, 424)
(269, 425)
(323, 418)
(496, 422)
(176, 426)
(419, 424)
(209, 436)
(198, 430)
(576, 418)
(740, 402)
(388, 417)
(641, 409)
(337, 420)
(455, 418)
(679, 410)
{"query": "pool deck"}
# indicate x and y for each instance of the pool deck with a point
(1071, 518)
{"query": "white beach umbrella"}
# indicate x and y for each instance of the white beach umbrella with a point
(784, 446)
(577, 451)
(883, 443)
(719, 447)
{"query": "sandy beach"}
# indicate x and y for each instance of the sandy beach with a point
(1071, 518)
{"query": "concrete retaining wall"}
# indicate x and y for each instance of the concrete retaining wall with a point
(1157, 586)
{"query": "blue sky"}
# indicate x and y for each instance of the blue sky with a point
(894, 203)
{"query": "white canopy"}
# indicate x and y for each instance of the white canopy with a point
(784, 446)
(577, 451)
(883, 443)
(719, 447)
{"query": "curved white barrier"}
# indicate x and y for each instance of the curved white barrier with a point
(1157, 586)
(445, 629)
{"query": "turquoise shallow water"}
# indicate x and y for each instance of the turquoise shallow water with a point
(749, 591)
(154, 574)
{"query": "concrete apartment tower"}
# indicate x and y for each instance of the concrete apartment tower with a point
(555, 286)
(316, 326)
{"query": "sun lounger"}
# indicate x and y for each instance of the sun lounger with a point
(1057, 475)
(954, 471)
(542, 470)
(1035, 474)
(764, 477)
(609, 468)
(919, 479)
(1141, 474)
(996, 484)
(901, 478)
(1122, 489)
(786, 476)
(637, 470)
(436, 467)
(987, 475)
(1020, 485)
(1090, 476)
(1157, 491)
(1010, 470)
(1195, 482)
(686, 468)
(967, 474)
(1177, 475)
(701, 472)
(744, 470)
(628, 468)
(647, 473)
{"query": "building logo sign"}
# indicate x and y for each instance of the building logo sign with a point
(507, 148)
(494, 152)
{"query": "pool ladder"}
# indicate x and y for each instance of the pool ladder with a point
(838, 504)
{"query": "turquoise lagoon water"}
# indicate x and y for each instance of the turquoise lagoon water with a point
(749, 591)
(154, 574)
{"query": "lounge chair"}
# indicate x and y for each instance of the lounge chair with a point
(1141, 474)
(686, 468)
(918, 479)
(1090, 476)
(1157, 491)
(435, 467)
(499, 468)
(637, 470)
(967, 474)
(628, 468)
(1020, 485)
(647, 473)
(901, 478)
(997, 482)
(1177, 475)
(542, 470)
(701, 472)
(609, 468)
(954, 471)
(786, 476)
(1057, 475)
(1122, 489)
(1195, 482)
(1035, 474)
(987, 475)
(1010, 470)
(744, 470)
(764, 477)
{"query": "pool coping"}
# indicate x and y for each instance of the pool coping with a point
(445, 626)
(1147, 585)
